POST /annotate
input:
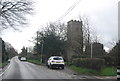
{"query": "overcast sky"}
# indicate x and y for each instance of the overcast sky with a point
(103, 16)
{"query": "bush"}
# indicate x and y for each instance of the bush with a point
(94, 63)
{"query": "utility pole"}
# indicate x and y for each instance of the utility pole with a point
(91, 49)
(41, 51)
(37, 46)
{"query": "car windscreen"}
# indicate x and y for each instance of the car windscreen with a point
(57, 58)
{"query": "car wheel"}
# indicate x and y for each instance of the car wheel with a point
(62, 67)
(48, 66)
(51, 66)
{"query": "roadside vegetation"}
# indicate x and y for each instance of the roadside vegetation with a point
(83, 70)
(7, 53)
(107, 71)
(35, 62)
(2, 65)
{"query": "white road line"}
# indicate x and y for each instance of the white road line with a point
(5, 70)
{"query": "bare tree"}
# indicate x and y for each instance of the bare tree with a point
(112, 42)
(12, 13)
(59, 29)
(86, 29)
(89, 34)
(95, 37)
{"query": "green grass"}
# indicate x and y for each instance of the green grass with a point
(35, 62)
(2, 65)
(109, 71)
(84, 70)
(66, 63)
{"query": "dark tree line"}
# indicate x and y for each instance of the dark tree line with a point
(115, 54)
(7, 51)
(5, 55)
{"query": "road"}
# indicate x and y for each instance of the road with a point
(24, 70)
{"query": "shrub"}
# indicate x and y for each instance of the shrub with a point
(94, 63)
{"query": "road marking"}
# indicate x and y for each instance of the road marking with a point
(5, 70)
(106, 77)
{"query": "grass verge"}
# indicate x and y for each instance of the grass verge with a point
(107, 71)
(35, 62)
(2, 65)
(84, 71)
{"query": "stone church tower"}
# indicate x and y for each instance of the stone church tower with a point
(74, 39)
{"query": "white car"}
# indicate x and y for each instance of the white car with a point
(23, 59)
(55, 61)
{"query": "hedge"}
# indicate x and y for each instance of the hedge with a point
(94, 63)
